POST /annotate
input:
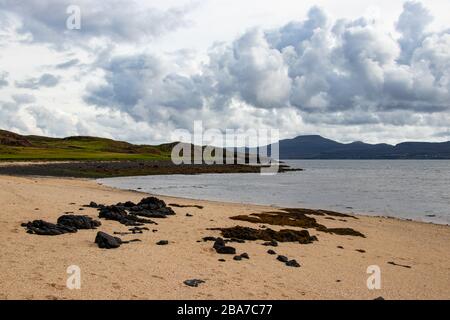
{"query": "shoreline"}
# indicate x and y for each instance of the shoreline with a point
(35, 266)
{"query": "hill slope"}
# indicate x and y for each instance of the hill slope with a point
(17, 147)
(317, 147)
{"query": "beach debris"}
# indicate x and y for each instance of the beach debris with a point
(221, 247)
(193, 282)
(78, 222)
(298, 218)
(293, 263)
(271, 252)
(44, 228)
(399, 265)
(282, 258)
(106, 241)
(271, 243)
(185, 206)
(245, 233)
(162, 243)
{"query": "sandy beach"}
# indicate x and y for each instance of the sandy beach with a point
(34, 267)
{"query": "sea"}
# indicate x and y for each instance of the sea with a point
(407, 189)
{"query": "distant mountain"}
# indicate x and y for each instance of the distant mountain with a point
(317, 147)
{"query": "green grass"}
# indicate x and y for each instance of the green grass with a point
(75, 148)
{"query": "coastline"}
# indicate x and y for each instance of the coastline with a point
(35, 266)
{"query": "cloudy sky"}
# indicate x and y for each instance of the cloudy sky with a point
(377, 71)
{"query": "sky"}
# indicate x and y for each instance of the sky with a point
(374, 71)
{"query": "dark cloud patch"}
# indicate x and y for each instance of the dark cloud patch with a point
(46, 80)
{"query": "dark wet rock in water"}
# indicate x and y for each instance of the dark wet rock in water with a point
(245, 233)
(162, 243)
(193, 282)
(272, 243)
(237, 258)
(245, 256)
(44, 228)
(283, 259)
(106, 241)
(78, 222)
(271, 252)
(293, 263)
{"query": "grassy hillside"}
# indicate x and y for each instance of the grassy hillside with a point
(18, 147)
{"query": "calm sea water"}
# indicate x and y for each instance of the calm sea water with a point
(410, 189)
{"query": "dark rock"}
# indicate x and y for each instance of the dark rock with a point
(222, 248)
(162, 243)
(205, 239)
(189, 215)
(193, 282)
(106, 241)
(340, 247)
(245, 256)
(282, 259)
(226, 250)
(92, 204)
(361, 251)
(78, 222)
(271, 252)
(272, 243)
(222, 260)
(44, 228)
(379, 298)
(119, 214)
(237, 258)
(293, 263)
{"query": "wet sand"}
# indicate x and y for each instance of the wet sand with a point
(34, 267)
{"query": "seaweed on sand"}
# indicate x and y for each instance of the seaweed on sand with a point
(298, 218)
(268, 234)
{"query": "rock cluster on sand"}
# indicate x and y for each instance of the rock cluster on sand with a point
(65, 224)
(130, 214)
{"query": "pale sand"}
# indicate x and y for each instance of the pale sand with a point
(34, 267)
